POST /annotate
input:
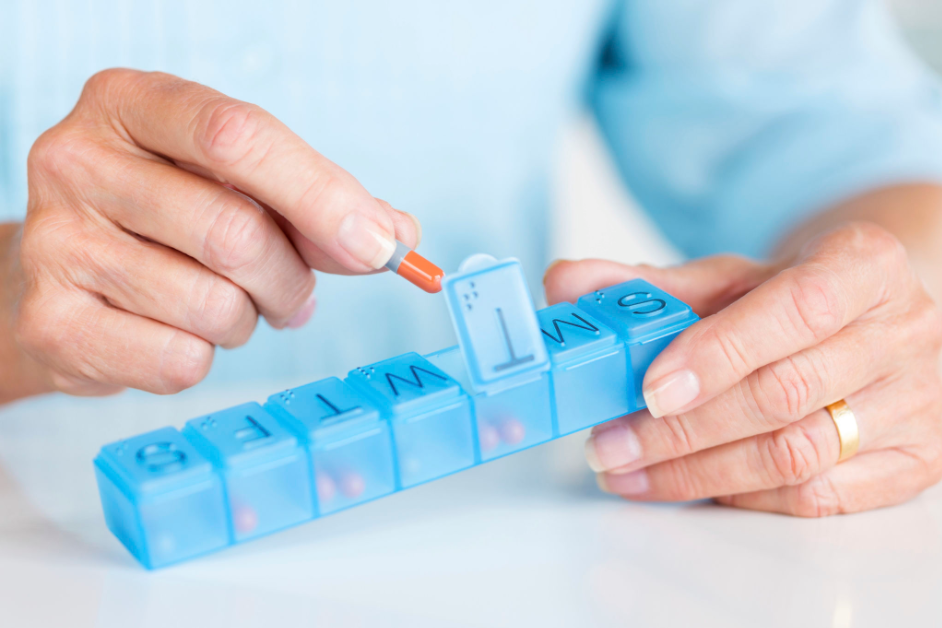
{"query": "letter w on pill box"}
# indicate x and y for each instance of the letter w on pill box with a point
(518, 378)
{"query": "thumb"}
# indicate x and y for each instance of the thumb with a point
(707, 285)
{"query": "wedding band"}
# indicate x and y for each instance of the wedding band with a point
(846, 424)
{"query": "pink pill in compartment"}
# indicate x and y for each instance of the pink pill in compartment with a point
(488, 437)
(326, 487)
(244, 518)
(352, 484)
(512, 431)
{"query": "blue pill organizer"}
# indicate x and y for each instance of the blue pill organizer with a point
(518, 378)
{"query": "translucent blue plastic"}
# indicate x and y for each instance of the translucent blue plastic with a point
(161, 498)
(519, 378)
(496, 325)
(265, 471)
(429, 412)
(644, 317)
(350, 447)
(508, 419)
(590, 368)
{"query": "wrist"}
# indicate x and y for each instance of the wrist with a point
(20, 375)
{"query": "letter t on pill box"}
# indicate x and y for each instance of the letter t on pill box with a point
(349, 444)
(507, 363)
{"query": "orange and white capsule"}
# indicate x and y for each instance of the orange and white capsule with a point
(416, 269)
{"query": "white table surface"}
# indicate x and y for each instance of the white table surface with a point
(523, 541)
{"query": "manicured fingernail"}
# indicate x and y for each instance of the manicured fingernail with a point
(612, 448)
(634, 483)
(365, 240)
(555, 262)
(600, 480)
(671, 393)
(416, 224)
(304, 314)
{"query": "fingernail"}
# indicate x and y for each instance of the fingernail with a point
(634, 483)
(600, 480)
(672, 393)
(417, 225)
(612, 448)
(555, 262)
(365, 240)
(304, 314)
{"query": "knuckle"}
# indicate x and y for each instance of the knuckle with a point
(817, 498)
(792, 455)
(231, 132)
(731, 348)
(38, 235)
(327, 188)
(35, 327)
(787, 387)
(55, 330)
(678, 435)
(871, 240)
(185, 363)
(58, 244)
(679, 482)
(105, 82)
(60, 152)
(817, 306)
(237, 236)
(220, 308)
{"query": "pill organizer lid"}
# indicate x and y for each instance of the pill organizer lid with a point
(405, 385)
(325, 410)
(242, 435)
(495, 321)
(639, 311)
(571, 333)
(155, 462)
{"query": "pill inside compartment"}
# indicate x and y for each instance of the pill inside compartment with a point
(349, 444)
(161, 498)
(506, 419)
(428, 411)
(264, 468)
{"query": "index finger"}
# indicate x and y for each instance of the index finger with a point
(246, 146)
(845, 274)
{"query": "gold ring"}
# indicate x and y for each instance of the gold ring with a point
(846, 424)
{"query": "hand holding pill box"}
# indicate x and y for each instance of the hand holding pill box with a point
(518, 378)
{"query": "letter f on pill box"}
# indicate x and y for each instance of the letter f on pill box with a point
(264, 469)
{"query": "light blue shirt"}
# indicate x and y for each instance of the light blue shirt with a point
(730, 120)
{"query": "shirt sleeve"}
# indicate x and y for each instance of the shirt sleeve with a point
(733, 120)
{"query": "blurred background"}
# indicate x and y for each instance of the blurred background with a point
(921, 21)
(587, 188)
(51, 530)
